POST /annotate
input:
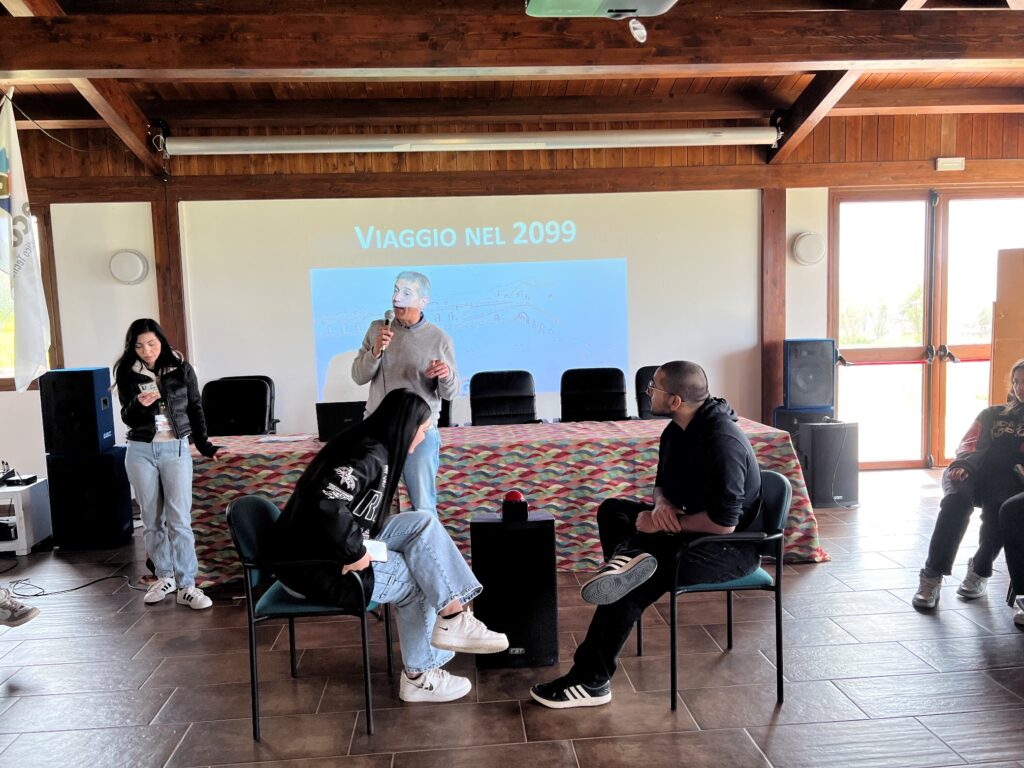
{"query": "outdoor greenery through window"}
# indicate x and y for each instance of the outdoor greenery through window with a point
(6, 328)
(881, 274)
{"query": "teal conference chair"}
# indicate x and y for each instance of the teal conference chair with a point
(767, 533)
(251, 520)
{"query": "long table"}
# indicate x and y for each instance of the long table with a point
(565, 469)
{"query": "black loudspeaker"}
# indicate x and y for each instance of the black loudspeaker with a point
(90, 500)
(828, 453)
(790, 420)
(515, 563)
(78, 415)
(809, 373)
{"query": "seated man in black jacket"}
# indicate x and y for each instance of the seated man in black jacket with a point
(708, 482)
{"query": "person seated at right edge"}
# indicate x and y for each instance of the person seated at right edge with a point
(987, 473)
(343, 499)
(707, 482)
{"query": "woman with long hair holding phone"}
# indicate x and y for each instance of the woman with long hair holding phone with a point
(162, 407)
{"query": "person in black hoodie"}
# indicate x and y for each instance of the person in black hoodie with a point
(988, 472)
(339, 513)
(708, 482)
(161, 404)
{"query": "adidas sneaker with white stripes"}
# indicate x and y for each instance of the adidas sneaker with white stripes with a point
(563, 693)
(626, 571)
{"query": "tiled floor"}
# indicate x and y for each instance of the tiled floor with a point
(100, 680)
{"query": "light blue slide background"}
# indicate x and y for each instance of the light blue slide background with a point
(543, 317)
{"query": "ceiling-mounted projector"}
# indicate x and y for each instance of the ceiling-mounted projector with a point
(602, 9)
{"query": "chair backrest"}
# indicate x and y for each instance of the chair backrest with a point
(251, 520)
(502, 397)
(332, 418)
(776, 495)
(643, 400)
(237, 406)
(593, 394)
(260, 377)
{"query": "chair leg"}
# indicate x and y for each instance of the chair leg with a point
(388, 639)
(728, 619)
(674, 653)
(778, 639)
(640, 635)
(253, 678)
(291, 646)
(366, 674)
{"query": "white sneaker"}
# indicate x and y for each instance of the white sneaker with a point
(973, 585)
(464, 633)
(433, 685)
(1018, 617)
(928, 591)
(194, 598)
(160, 589)
(14, 613)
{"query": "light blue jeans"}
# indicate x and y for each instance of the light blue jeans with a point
(424, 572)
(161, 474)
(420, 473)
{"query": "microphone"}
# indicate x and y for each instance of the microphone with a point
(389, 317)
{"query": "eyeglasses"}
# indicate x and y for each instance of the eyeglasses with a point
(650, 386)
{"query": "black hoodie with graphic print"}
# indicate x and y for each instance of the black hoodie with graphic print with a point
(327, 518)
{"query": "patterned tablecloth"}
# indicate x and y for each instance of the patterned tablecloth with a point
(563, 469)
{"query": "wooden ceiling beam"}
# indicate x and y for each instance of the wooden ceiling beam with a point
(25, 8)
(107, 97)
(458, 7)
(70, 112)
(809, 109)
(485, 46)
(930, 101)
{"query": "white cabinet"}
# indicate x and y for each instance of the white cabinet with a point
(29, 507)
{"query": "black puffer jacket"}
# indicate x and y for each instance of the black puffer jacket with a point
(334, 508)
(179, 389)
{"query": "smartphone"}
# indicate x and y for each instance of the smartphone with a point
(378, 550)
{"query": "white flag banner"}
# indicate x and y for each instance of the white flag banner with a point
(19, 258)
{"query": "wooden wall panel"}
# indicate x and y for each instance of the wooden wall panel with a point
(852, 139)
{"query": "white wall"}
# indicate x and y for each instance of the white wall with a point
(95, 309)
(693, 278)
(806, 286)
(21, 432)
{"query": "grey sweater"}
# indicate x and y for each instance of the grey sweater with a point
(403, 363)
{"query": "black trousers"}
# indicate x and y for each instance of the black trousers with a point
(597, 657)
(955, 511)
(1011, 523)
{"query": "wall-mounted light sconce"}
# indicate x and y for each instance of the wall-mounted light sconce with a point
(129, 267)
(808, 248)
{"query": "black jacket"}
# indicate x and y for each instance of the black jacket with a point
(327, 518)
(990, 451)
(179, 389)
(710, 467)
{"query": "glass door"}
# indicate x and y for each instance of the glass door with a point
(977, 226)
(879, 314)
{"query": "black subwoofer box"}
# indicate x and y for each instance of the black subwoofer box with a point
(90, 500)
(829, 455)
(515, 563)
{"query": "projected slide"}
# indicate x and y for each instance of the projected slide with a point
(543, 317)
